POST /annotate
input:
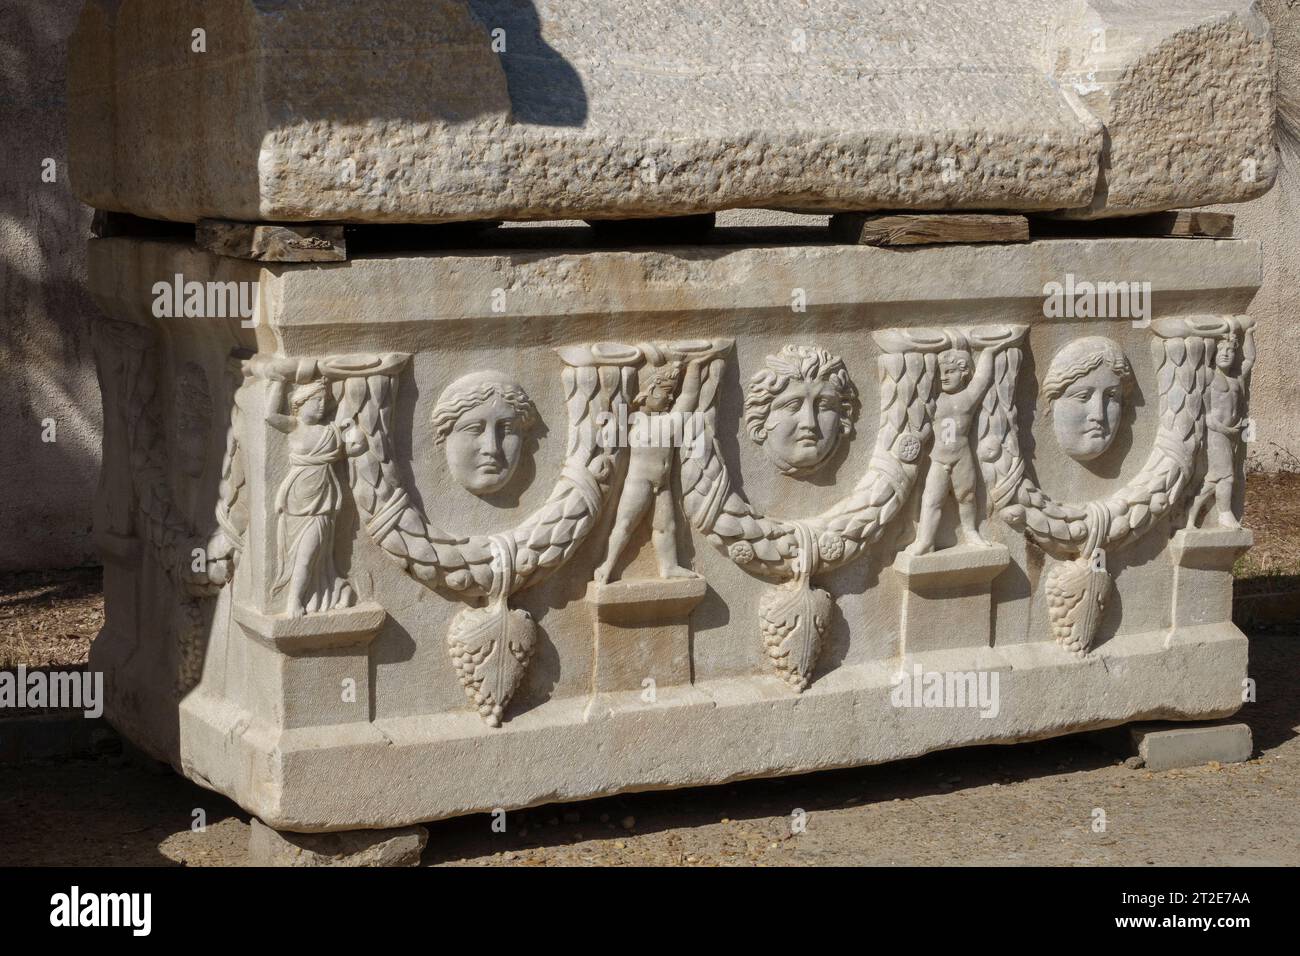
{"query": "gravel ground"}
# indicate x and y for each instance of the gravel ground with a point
(1027, 804)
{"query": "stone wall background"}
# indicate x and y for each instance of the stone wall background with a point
(47, 368)
(1274, 219)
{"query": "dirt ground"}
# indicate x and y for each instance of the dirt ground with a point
(1026, 804)
(49, 618)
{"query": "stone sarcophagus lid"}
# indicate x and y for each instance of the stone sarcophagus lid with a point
(438, 110)
(421, 534)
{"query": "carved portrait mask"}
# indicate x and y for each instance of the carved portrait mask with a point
(1085, 389)
(483, 421)
(799, 406)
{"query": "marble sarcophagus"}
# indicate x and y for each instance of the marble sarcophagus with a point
(406, 535)
(389, 555)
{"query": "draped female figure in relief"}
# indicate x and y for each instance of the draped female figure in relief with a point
(309, 499)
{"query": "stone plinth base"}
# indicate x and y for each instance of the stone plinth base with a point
(393, 772)
(947, 596)
(315, 669)
(1203, 561)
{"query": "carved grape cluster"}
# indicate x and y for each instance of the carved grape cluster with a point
(490, 649)
(793, 619)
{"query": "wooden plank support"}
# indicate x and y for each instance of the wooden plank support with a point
(267, 242)
(921, 229)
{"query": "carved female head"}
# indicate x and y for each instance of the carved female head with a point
(799, 407)
(1085, 389)
(483, 421)
(309, 402)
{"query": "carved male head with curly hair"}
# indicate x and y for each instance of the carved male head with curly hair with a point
(799, 406)
(1084, 392)
(483, 420)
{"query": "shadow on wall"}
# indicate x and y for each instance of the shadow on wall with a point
(544, 88)
(46, 487)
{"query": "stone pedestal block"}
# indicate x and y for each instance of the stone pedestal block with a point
(643, 633)
(1203, 561)
(948, 597)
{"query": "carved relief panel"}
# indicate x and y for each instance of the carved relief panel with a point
(948, 436)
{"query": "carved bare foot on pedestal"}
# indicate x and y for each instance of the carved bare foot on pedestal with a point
(603, 572)
(677, 571)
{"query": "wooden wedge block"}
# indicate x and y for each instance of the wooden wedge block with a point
(919, 229)
(1190, 223)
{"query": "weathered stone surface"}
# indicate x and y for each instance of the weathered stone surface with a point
(396, 847)
(411, 111)
(432, 583)
(1163, 747)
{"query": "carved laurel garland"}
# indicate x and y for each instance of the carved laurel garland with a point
(464, 564)
(793, 550)
(1079, 535)
(127, 357)
(226, 545)
(490, 646)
